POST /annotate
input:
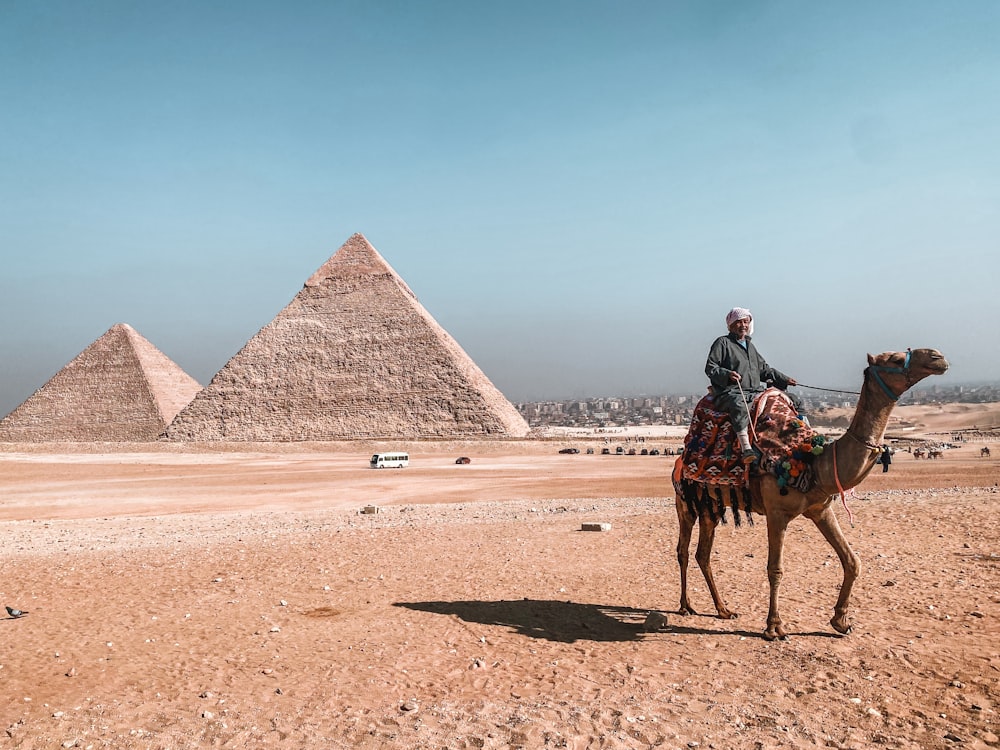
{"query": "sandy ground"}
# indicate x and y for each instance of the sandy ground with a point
(234, 597)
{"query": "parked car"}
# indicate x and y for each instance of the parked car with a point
(570, 450)
(463, 460)
(605, 451)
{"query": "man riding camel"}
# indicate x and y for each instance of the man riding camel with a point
(738, 373)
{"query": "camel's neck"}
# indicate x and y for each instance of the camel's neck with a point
(872, 415)
(855, 452)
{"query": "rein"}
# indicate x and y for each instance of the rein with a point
(828, 390)
(876, 371)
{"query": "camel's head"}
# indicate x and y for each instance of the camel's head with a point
(896, 372)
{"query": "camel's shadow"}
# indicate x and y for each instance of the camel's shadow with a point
(560, 621)
(567, 622)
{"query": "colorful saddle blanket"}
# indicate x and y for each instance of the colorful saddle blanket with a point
(783, 438)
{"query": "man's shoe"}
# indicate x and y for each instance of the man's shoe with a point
(748, 457)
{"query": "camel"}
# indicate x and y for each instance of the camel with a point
(842, 465)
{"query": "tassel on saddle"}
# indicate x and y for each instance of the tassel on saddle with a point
(703, 500)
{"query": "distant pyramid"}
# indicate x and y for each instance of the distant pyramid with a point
(353, 355)
(121, 388)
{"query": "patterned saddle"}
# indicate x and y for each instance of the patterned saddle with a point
(709, 474)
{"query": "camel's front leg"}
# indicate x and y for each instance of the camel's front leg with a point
(776, 525)
(827, 523)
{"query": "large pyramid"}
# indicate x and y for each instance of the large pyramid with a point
(353, 355)
(121, 388)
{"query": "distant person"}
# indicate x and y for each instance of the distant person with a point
(738, 373)
(885, 459)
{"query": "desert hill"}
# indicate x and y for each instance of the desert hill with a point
(925, 419)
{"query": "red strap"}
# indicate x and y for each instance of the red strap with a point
(836, 478)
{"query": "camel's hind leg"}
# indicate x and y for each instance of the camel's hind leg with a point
(828, 525)
(685, 523)
(703, 554)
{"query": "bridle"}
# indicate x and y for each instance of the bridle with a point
(878, 370)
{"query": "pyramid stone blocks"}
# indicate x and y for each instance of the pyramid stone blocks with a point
(354, 355)
(121, 388)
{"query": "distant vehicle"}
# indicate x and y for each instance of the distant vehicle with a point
(390, 460)
(605, 451)
(644, 452)
(570, 450)
(590, 451)
(463, 460)
(655, 452)
(620, 450)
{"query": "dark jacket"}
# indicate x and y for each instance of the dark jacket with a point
(727, 355)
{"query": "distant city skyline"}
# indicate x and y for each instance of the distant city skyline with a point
(676, 409)
(577, 191)
(919, 392)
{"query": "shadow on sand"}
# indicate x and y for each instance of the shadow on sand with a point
(564, 622)
(567, 622)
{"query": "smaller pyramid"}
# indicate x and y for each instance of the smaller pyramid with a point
(121, 388)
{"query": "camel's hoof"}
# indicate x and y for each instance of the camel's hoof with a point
(727, 615)
(775, 634)
(685, 611)
(841, 626)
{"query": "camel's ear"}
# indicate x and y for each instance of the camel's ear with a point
(871, 360)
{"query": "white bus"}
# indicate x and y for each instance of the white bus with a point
(390, 460)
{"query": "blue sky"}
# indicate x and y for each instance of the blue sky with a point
(577, 191)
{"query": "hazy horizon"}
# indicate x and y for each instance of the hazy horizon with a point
(578, 192)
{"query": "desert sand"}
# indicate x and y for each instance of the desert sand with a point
(234, 596)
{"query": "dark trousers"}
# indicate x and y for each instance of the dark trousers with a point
(732, 402)
(736, 404)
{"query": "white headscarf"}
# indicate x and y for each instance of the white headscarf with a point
(739, 313)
